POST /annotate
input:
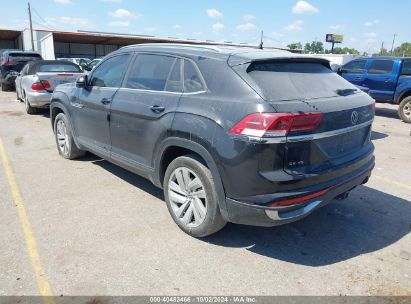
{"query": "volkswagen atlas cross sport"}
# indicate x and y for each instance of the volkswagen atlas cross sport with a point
(236, 135)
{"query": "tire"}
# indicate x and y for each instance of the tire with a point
(197, 215)
(4, 87)
(18, 96)
(29, 109)
(64, 138)
(404, 110)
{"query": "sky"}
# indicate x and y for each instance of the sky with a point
(365, 24)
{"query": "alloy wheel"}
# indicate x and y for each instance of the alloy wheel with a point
(407, 109)
(187, 197)
(62, 137)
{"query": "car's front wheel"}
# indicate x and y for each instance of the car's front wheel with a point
(191, 197)
(404, 110)
(64, 138)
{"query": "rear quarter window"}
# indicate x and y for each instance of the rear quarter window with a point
(406, 68)
(381, 67)
(284, 81)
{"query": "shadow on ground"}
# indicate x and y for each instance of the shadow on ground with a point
(377, 135)
(127, 176)
(385, 112)
(367, 221)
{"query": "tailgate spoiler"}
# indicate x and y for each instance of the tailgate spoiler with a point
(261, 56)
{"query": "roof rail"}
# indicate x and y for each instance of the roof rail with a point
(176, 45)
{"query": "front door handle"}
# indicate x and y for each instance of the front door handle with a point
(157, 109)
(106, 101)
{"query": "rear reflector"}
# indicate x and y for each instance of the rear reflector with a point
(266, 125)
(302, 199)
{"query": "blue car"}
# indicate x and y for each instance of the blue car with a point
(388, 79)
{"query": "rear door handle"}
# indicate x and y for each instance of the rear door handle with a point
(106, 101)
(157, 109)
(357, 78)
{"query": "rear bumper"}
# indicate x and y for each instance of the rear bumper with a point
(257, 215)
(39, 99)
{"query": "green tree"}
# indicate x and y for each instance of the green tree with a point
(403, 50)
(346, 50)
(315, 47)
(295, 46)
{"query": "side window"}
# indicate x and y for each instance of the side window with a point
(192, 78)
(110, 73)
(355, 66)
(150, 72)
(406, 68)
(174, 83)
(381, 67)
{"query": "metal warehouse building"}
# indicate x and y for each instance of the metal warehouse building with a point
(58, 44)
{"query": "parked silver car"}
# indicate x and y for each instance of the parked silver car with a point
(37, 80)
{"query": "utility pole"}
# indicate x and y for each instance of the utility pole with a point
(382, 48)
(31, 27)
(261, 41)
(392, 46)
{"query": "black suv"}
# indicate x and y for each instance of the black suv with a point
(11, 63)
(231, 134)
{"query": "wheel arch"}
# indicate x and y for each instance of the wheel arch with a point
(403, 96)
(175, 147)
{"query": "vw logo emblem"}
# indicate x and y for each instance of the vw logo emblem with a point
(354, 117)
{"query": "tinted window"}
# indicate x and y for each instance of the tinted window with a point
(21, 57)
(291, 80)
(406, 68)
(59, 68)
(111, 72)
(192, 78)
(381, 67)
(174, 83)
(356, 66)
(150, 72)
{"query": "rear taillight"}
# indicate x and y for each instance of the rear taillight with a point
(276, 124)
(8, 63)
(46, 84)
(40, 86)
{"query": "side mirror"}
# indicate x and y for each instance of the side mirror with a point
(81, 82)
(339, 71)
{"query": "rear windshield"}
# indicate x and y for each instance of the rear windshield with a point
(59, 68)
(18, 57)
(297, 80)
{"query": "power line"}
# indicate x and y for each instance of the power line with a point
(45, 23)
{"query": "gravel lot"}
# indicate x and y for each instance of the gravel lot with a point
(100, 230)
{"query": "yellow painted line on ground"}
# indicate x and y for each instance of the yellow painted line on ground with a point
(43, 284)
(388, 180)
